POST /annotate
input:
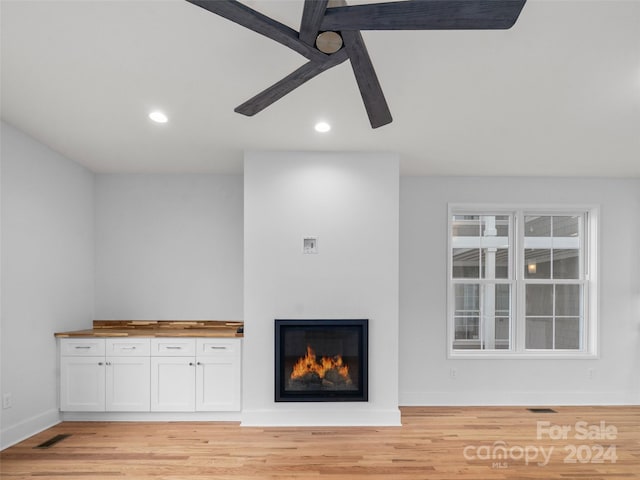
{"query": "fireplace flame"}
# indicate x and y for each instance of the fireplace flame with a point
(309, 365)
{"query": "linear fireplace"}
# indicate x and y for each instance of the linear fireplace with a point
(321, 360)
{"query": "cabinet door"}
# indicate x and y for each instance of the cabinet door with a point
(128, 387)
(218, 383)
(82, 384)
(172, 384)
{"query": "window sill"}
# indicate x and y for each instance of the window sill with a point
(492, 355)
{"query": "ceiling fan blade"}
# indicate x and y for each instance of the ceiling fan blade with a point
(370, 89)
(259, 23)
(289, 83)
(425, 15)
(312, 15)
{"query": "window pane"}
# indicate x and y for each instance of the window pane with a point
(480, 246)
(465, 226)
(568, 333)
(503, 299)
(466, 263)
(502, 263)
(482, 316)
(503, 315)
(566, 263)
(539, 301)
(566, 226)
(537, 263)
(535, 226)
(568, 300)
(467, 299)
(539, 333)
(468, 328)
(495, 301)
(502, 225)
(495, 263)
(502, 333)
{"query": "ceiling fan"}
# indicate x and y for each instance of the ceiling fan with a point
(330, 34)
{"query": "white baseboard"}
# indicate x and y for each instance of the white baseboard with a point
(27, 428)
(151, 416)
(325, 418)
(476, 398)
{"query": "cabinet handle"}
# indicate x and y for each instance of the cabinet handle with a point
(128, 348)
(198, 363)
(218, 348)
(191, 364)
(80, 347)
(108, 363)
(173, 348)
(100, 363)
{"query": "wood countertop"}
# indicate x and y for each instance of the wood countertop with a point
(159, 328)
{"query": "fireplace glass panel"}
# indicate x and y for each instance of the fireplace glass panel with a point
(321, 360)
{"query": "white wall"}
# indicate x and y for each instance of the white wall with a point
(424, 367)
(47, 274)
(169, 247)
(350, 202)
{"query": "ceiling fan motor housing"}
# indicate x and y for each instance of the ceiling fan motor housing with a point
(329, 42)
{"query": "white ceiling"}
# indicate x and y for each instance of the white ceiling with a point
(558, 94)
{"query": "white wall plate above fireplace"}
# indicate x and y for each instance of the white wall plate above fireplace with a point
(310, 245)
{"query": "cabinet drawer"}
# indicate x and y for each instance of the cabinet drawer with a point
(82, 347)
(218, 347)
(173, 347)
(129, 347)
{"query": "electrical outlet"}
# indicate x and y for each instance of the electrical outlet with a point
(592, 373)
(6, 400)
(453, 373)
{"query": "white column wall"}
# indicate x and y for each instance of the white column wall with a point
(350, 202)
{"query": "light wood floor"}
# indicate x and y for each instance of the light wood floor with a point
(433, 443)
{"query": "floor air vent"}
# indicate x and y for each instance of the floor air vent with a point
(52, 441)
(542, 410)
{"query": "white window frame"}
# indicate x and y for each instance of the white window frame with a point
(589, 263)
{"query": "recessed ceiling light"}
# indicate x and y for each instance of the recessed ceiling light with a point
(158, 117)
(322, 127)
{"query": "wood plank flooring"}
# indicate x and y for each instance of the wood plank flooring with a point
(433, 443)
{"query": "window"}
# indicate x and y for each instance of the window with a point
(522, 281)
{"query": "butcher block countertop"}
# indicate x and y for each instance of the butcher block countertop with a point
(159, 328)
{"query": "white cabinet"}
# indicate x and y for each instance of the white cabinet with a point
(98, 375)
(173, 374)
(150, 374)
(82, 383)
(127, 374)
(217, 374)
(192, 374)
(172, 384)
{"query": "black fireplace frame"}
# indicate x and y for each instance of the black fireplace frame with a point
(361, 395)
